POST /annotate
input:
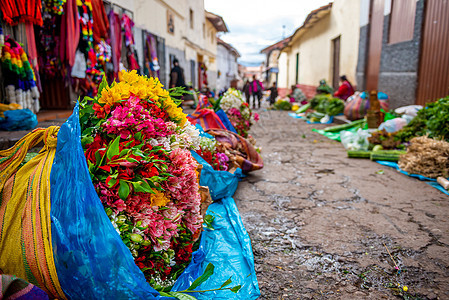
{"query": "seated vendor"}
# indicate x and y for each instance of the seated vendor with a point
(345, 90)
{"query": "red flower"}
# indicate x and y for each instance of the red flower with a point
(101, 111)
(93, 147)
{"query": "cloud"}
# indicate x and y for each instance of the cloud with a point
(256, 24)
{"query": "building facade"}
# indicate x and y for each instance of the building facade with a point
(404, 49)
(188, 33)
(271, 64)
(324, 47)
(227, 65)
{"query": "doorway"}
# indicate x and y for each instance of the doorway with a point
(335, 62)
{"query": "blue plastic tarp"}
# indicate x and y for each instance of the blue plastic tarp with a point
(19, 119)
(430, 181)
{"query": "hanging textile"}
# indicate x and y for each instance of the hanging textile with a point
(70, 33)
(21, 11)
(115, 34)
(19, 78)
(54, 7)
(151, 60)
(127, 25)
(101, 22)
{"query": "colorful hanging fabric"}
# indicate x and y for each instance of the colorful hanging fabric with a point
(127, 25)
(19, 77)
(54, 7)
(100, 19)
(21, 11)
(70, 33)
(115, 34)
(151, 60)
(25, 208)
(48, 40)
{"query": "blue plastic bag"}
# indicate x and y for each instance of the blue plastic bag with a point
(19, 119)
(91, 260)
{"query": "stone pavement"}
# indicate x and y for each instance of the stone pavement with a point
(319, 221)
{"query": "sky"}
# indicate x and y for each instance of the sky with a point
(256, 24)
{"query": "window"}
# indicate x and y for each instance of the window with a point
(204, 31)
(402, 20)
(191, 18)
(211, 36)
(297, 69)
(170, 22)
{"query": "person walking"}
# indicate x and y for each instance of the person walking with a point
(246, 90)
(273, 93)
(345, 90)
(177, 75)
(256, 89)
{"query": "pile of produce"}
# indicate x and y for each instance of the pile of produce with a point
(385, 155)
(386, 139)
(282, 104)
(324, 88)
(238, 111)
(327, 105)
(433, 120)
(137, 144)
(427, 157)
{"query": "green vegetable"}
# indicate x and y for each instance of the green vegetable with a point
(432, 120)
(359, 154)
(283, 105)
(378, 147)
(303, 108)
(358, 123)
(388, 155)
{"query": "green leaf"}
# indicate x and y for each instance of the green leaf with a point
(226, 283)
(236, 288)
(182, 296)
(103, 84)
(113, 148)
(160, 292)
(138, 136)
(207, 273)
(112, 182)
(123, 152)
(123, 190)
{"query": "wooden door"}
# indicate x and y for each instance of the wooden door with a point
(335, 62)
(433, 76)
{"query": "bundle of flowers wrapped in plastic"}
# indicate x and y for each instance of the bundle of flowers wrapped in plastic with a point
(137, 143)
(238, 111)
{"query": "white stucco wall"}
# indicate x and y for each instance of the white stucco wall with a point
(227, 66)
(315, 47)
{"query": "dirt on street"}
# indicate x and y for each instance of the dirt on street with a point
(319, 221)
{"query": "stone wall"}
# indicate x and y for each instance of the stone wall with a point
(399, 62)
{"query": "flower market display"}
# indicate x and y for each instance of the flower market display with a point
(137, 144)
(208, 150)
(238, 111)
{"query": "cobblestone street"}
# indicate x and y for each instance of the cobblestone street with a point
(319, 221)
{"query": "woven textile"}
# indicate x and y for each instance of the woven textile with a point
(25, 225)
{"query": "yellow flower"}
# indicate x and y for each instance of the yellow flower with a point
(159, 199)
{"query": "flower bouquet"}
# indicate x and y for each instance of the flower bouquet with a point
(208, 150)
(238, 111)
(137, 144)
